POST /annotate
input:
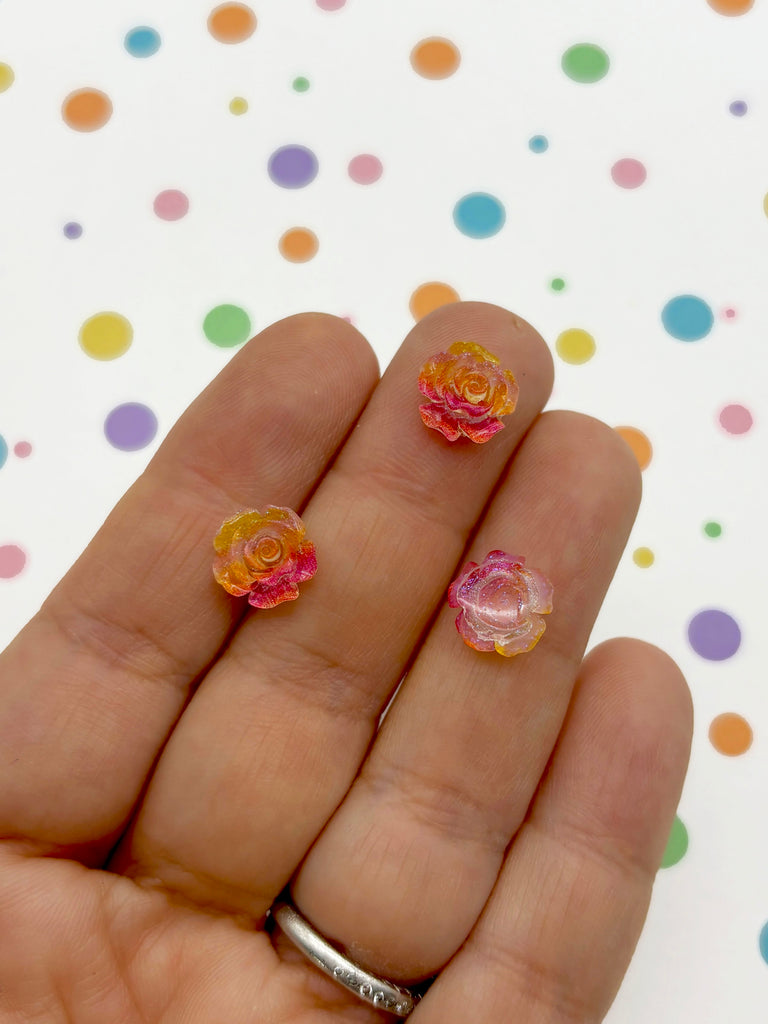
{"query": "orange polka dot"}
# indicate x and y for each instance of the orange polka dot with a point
(231, 23)
(638, 442)
(430, 296)
(86, 110)
(731, 8)
(730, 734)
(299, 245)
(435, 58)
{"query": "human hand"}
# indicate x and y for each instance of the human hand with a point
(171, 758)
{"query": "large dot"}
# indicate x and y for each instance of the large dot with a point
(130, 426)
(171, 204)
(72, 229)
(714, 634)
(585, 62)
(430, 296)
(731, 8)
(677, 844)
(435, 57)
(575, 346)
(479, 215)
(735, 419)
(738, 108)
(12, 561)
(86, 110)
(6, 76)
(365, 168)
(713, 529)
(628, 173)
(538, 144)
(106, 336)
(227, 326)
(638, 442)
(3, 451)
(763, 942)
(298, 245)
(643, 557)
(142, 41)
(687, 318)
(292, 166)
(730, 734)
(231, 23)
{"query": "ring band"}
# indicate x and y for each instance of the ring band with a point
(382, 994)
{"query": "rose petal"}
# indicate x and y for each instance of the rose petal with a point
(440, 419)
(523, 641)
(541, 590)
(306, 564)
(469, 636)
(264, 596)
(483, 431)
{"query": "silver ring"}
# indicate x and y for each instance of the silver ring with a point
(382, 994)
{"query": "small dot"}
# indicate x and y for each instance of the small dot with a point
(713, 529)
(735, 419)
(731, 8)
(763, 942)
(22, 449)
(538, 144)
(292, 166)
(232, 23)
(557, 284)
(86, 110)
(714, 634)
(628, 173)
(171, 204)
(687, 318)
(638, 442)
(6, 76)
(130, 427)
(142, 41)
(330, 5)
(12, 561)
(106, 336)
(298, 245)
(227, 326)
(729, 314)
(73, 229)
(585, 62)
(238, 105)
(365, 168)
(643, 557)
(738, 108)
(301, 84)
(575, 346)
(431, 296)
(3, 451)
(730, 734)
(479, 215)
(677, 844)
(435, 58)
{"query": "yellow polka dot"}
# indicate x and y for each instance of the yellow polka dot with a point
(106, 336)
(238, 105)
(6, 77)
(643, 557)
(575, 346)
(765, 204)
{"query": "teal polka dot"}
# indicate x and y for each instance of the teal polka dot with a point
(538, 144)
(479, 215)
(3, 451)
(142, 41)
(764, 942)
(687, 318)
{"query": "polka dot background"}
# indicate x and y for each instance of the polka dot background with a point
(608, 185)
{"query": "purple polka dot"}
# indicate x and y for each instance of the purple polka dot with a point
(12, 561)
(293, 166)
(130, 427)
(738, 108)
(73, 230)
(714, 635)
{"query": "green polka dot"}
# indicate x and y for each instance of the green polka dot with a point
(227, 326)
(585, 62)
(301, 84)
(713, 529)
(557, 284)
(677, 844)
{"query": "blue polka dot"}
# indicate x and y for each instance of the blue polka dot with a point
(687, 318)
(479, 215)
(538, 144)
(3, 451)
(142, 41)
(764, 942)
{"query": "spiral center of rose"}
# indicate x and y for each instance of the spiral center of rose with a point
(475, 388)
(266, 553)
(501, 602)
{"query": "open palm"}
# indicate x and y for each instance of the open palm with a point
(170, 761)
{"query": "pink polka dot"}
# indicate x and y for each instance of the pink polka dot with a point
(171, 204)
(330, 5)
(22, 449)
(12, 561)
(628, 173)
(729, 314)
(365, 169)
(736, 419)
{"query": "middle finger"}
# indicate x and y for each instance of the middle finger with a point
(276, 733)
